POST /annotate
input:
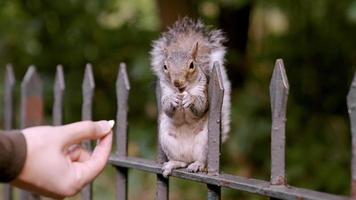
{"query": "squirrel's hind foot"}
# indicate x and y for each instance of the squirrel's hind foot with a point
(196, 166)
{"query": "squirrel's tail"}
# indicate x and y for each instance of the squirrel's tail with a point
(226, 106)
(218, 55)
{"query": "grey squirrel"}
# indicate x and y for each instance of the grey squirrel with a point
(182, 59)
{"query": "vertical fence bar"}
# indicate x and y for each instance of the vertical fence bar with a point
(9, 85)
(58, 88)
(31, 108)
(351, 105)
(216, 93)
(88, 93)
(162, 183)
(279, 89)
(122, 94)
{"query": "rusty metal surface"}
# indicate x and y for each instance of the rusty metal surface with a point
(215, 93)
(279, 89)
(31, 99)
(260, 187)
(122, 93)
(58, 90)
(31, 108)
(353, 189)
(162, 185)
(351, 105)
(9, 86)
(88, 86)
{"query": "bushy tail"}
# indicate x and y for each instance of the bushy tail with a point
(226, 107)
(218, 55)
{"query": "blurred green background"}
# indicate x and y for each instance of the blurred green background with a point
(316, 39)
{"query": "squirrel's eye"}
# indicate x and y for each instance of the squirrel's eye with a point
(165, 67)
(191, 66)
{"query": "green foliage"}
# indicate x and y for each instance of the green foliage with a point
(317, 47)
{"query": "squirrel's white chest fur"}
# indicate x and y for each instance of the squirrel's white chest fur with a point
(186, 142)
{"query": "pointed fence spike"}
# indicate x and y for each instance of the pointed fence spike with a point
(279, 84)
(9, 75)
(351, 105)
(88, 87)
(31, 99)
(31, 108)
(9, 86)
(59, 80)
(123, 77)
(216, 93)
(88, 92)
(58, 88)
(122, 94)
(279, 89)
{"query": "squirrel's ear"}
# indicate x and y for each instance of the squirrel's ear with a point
(194, 50)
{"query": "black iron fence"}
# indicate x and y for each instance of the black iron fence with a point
(276, 188)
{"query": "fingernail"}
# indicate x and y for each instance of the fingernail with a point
(112, 123)
(106, 126)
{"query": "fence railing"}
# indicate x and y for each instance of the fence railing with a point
(276, 188)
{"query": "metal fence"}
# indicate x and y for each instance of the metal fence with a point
(276, 188)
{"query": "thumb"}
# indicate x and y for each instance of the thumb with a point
(85, 130)
(90, 168)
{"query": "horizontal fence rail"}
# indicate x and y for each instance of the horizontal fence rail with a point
(31, 113)
(255, 186)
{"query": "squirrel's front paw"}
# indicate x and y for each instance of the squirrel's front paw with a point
(175, 100)
(170, 103)
(187, 99)
(172, 100)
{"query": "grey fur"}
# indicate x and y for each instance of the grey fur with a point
(182, 58)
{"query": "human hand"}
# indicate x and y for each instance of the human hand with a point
(55, 166)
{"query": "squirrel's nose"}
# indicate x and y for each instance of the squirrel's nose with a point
(177, 83)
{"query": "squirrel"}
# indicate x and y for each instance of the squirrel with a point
(182, 59)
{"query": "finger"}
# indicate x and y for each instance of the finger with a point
(77, 132)
(78, 154)
(91, 168)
